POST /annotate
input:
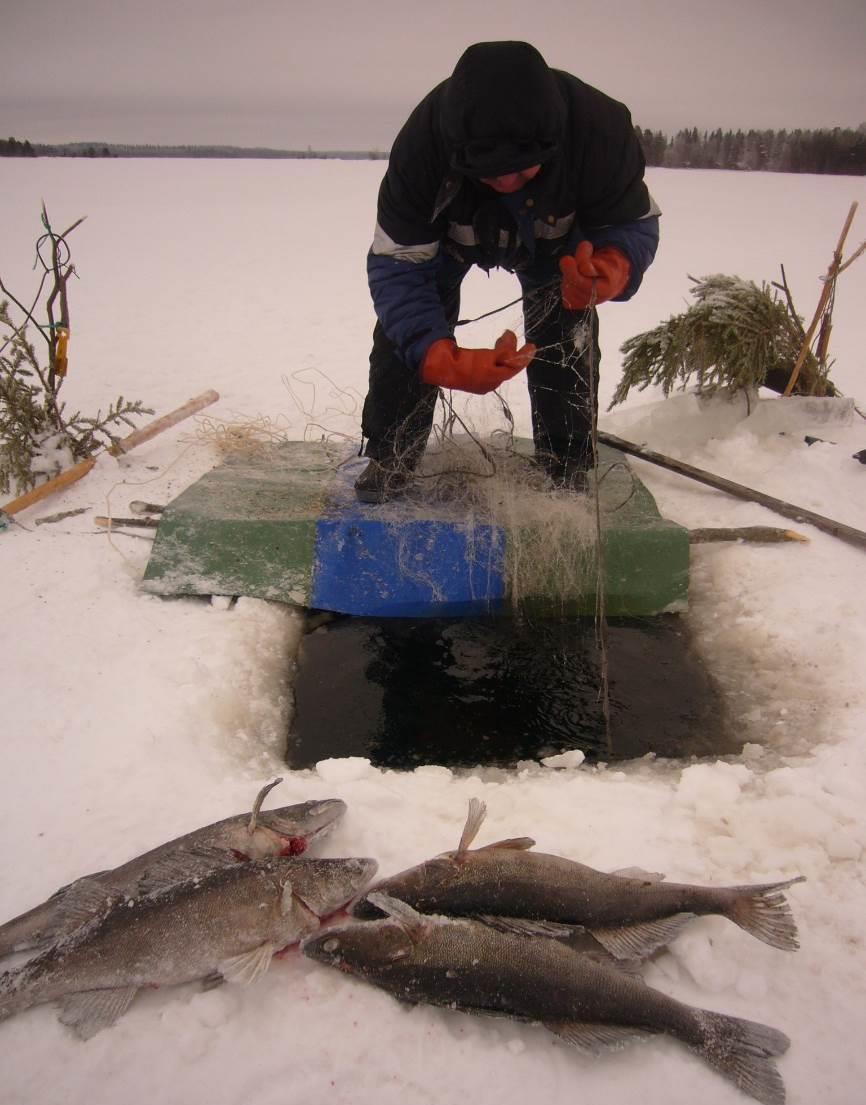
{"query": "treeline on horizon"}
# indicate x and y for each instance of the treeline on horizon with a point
(13, 147)
(840, 150)
(837, 151)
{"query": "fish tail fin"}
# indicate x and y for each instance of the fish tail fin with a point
(764, 912)
(743, 1052)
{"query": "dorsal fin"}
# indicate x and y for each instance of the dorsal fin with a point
(83, 901)
(474, 820)
(526, 926)
(257, 805)
(413, 923)
(515, 843)
(183, 865)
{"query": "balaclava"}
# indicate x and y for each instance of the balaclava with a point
(501, 110)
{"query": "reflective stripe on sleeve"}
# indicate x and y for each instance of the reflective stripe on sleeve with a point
(385, 246)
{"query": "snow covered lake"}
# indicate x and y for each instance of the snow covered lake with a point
(129, 719)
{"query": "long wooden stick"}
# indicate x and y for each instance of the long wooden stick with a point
(824, 299)
(138, 437)
(71, 475)
(110, 523)
(743, 533)
(788, 510)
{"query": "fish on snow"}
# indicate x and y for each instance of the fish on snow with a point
(287, 831)
(513, 887)
(469, 966)
(223, 925)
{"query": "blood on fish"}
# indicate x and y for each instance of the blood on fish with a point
(294, 846)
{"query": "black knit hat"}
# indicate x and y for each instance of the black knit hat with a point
(501, 110)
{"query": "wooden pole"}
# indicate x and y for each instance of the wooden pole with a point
(743, 533)
(71, 475)
(824, 299)
(112, 523)
(138, 437)
(788, 510)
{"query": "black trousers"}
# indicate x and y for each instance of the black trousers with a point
(399, 407)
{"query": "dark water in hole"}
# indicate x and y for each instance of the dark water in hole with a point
(405, 692)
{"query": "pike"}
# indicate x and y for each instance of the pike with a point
(224, 925)
(287, 831)
(512, 887)
(469, 966)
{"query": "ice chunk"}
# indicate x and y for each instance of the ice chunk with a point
(712, 787)
(573, 758)
(345, 770)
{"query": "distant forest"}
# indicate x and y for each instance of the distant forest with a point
(13, 147)
(839, 151)
(774, 151)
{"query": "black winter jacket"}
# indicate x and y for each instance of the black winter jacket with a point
(590, 186)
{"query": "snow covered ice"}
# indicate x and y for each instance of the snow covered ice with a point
(130, 719)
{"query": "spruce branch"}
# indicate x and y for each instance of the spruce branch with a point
(736, 337)
(36, 436)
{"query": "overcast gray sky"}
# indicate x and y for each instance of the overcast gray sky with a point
(338, 74)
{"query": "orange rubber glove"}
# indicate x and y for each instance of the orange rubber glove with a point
(610, 268)
(475, 370)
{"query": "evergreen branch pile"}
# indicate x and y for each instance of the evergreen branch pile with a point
(24, 419)
(37, 438)
(737, 336)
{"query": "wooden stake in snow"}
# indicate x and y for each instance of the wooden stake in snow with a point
(138, 437)
(824, 309)
(788, 510)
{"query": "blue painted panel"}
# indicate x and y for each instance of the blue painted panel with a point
(410, 569)
(388, 562)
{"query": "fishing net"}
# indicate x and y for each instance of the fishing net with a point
(495, 483)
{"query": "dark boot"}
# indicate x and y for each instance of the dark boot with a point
(568, 467)
(383, 480)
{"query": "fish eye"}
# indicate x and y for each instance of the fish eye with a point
(332, 944)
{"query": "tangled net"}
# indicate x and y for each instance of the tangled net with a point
(550, 547)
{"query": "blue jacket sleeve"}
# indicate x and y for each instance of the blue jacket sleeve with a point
(637, 240)
(408, 305)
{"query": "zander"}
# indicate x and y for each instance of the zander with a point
(224, 925)
(469, 966)
(286, 831)
(512, 887)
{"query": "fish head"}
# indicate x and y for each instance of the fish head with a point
(420, 886)
(326, 885)
(360, 948)
(286, 831)
(306, 819)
